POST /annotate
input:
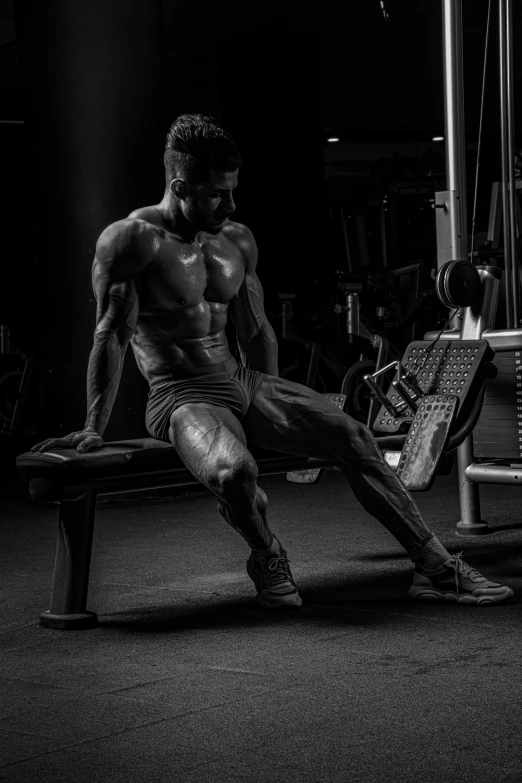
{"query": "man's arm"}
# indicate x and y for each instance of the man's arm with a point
(255, 336)
(117, 262)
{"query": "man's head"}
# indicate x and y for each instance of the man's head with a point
(201, 166)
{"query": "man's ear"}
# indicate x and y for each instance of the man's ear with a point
(178, 188)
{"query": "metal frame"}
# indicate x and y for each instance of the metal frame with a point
(478, 322)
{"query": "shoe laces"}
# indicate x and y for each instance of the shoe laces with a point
(280, 570)
(460, 566)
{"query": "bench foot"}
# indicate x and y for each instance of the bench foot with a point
(475, 529)
(69, 622)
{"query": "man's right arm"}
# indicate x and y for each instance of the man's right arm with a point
(107, 355)
(118, 261)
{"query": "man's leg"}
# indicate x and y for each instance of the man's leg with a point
(297, 420)
(294, 419)
(212, 444)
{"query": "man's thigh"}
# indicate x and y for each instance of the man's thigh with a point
(207, 436)
(295, 419)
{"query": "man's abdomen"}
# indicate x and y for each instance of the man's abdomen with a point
(181, 357)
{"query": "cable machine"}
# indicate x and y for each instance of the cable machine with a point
(493, 452)
(447, 394)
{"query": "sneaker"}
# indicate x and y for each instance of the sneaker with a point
(458, 582)
(273, 580)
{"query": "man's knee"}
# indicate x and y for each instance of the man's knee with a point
(235, 475)
(357, 433)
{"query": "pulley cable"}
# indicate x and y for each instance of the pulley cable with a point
(415, 368)
(479, 145)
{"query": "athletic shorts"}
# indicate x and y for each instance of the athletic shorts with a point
(227, 384)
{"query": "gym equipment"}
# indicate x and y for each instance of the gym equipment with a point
(492, 453)
(427, 440)
(75, 480)
(493, 443)
(436, 393)
(458, 284)
(446, 368)
(21, 403)
(499, 429)
(311, 359)
(359, 404)
(315, 365)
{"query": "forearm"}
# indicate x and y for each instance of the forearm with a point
(260, 352)
(103, 378)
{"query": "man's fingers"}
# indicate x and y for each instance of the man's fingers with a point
(38, 445)
(44, 445)
(53, 443)
(82, 442)
(89, 443)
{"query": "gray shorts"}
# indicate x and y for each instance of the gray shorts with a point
(228, 385)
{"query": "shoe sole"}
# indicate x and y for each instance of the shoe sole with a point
(289, 601)
(292, 601)
(468, 599)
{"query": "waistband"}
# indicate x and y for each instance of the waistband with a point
(183, 373)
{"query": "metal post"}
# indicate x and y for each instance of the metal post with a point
(470, 523)
(454, 125)
(507, 126)
(452, 218)
(476, 320)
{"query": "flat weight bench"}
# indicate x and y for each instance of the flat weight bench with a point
(76, 480)
(414, 443)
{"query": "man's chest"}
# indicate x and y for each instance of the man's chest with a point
(184, 275)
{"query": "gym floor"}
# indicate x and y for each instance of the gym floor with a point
(186, 679)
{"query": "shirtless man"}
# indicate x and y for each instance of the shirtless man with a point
(166, 279)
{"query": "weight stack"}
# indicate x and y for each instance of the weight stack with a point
(498, 434)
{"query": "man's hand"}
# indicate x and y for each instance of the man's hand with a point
(83, 440)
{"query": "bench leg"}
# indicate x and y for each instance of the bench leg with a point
(71, 568)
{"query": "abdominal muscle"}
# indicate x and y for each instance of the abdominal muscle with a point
(170, 344)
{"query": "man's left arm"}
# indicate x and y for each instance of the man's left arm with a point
(256, 338)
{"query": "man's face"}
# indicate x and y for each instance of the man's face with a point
(208, 204)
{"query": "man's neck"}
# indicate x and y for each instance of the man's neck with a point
(176, 222)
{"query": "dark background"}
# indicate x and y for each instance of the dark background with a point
(88, 89)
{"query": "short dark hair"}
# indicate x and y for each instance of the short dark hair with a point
(197, 143)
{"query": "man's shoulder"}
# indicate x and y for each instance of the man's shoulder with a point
(148, 216)
(124, 237)
(243, 238)
(237, 231)
(123, 249)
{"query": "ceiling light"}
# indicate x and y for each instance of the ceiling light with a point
(438, 138)
(332, 139)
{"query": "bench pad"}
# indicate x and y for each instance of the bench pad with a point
(115, 458)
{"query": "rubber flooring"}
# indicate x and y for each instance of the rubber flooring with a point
(187, 679)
